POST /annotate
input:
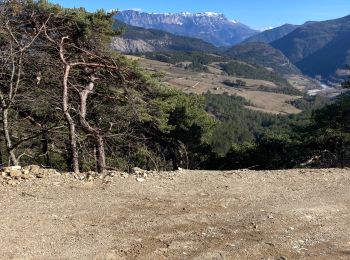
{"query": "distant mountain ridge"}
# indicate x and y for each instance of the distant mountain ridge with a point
(140, 40)
(264, 55)
(273, 34)
(211, 27)
(319, 48)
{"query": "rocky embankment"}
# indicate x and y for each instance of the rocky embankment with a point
(16, 175)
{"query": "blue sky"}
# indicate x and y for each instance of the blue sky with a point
(258, 14)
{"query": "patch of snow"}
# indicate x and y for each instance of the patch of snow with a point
(186, 14)
(211, 14)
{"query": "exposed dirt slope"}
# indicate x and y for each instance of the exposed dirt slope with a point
(296, 214)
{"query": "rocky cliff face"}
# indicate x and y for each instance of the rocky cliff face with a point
(131, 46)
(210, 27)
(139, 40)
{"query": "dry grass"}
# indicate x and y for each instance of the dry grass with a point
(200, 82)
(302, 83)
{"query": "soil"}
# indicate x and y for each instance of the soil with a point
(294, 214)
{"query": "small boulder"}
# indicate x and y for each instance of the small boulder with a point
(34, 169)
(140, 179)
(11, 168)
(89, 177)
(125, 175)
(25, 171)
(15, 173)
(12, 183)
(26, 176)
(136, 170)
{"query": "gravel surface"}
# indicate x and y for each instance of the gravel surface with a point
(294, 214)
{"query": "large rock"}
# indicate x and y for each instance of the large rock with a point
(11, 168)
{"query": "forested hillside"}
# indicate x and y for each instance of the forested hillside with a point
(236, 68)
(198, 60)
(265, 55)
(319, 48)
(69, 102)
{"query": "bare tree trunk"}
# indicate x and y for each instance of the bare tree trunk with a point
(95, 157)
(1, 159)
(5, 123)
(174, 158)
(70, 121)
(45, 146)
(98, 137)
(101, 156)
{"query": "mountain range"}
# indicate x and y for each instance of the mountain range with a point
(320, 48)
(211, 27)
(140, 40)
(317, 49)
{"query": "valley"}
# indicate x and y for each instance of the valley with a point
(201, 82)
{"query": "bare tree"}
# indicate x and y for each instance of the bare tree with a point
(77, 63)
(83, 76)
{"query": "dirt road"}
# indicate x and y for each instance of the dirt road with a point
(296, 214)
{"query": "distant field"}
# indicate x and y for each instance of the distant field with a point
(202, 82)
(302, 83)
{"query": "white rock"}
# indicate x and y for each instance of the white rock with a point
(125, 175)
(136, 170)
(140, 179)
(11, 168)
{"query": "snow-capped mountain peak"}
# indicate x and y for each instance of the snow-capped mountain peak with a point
(209, 26)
